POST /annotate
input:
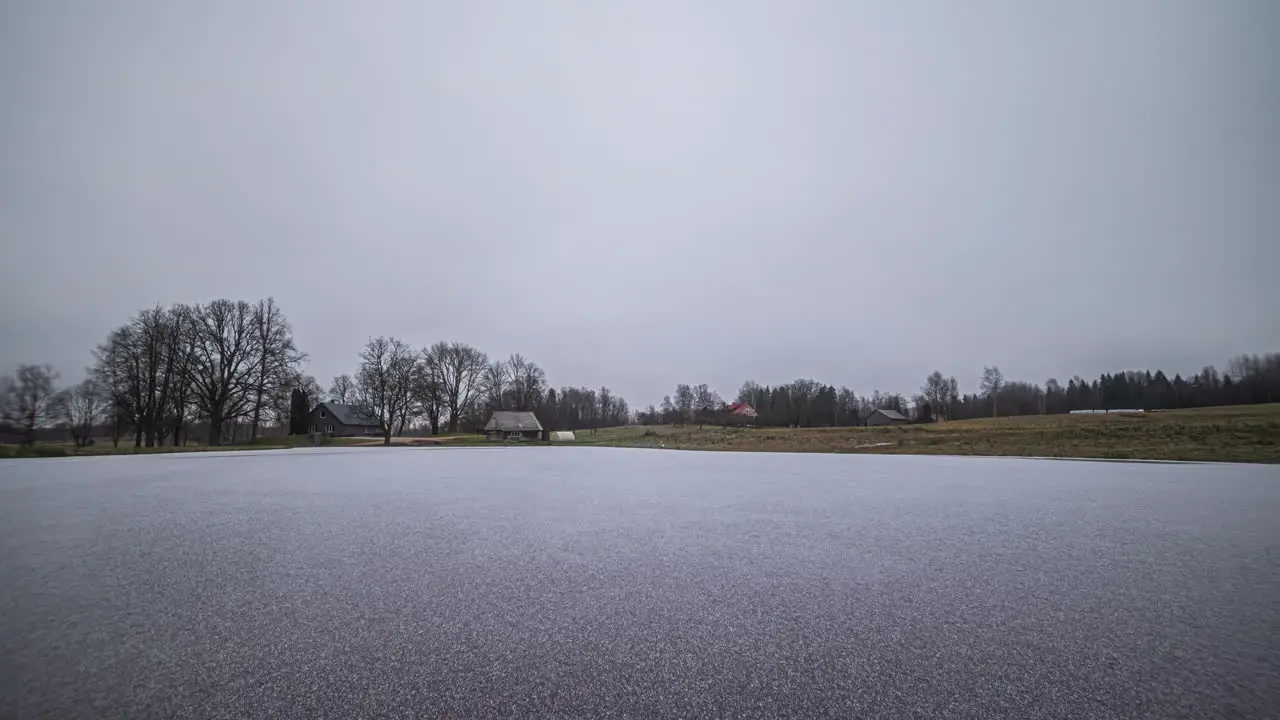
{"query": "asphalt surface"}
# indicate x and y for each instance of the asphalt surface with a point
(579, 582)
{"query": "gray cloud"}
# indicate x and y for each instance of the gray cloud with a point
(643, 193)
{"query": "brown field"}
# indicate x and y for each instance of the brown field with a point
(1243, 433)
(1246, 433)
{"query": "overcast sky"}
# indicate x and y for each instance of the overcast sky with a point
(644, 193)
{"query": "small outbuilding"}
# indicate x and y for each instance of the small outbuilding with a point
(562, 436)
(512, 425)
(880, 417)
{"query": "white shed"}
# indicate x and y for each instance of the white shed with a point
(562, 436)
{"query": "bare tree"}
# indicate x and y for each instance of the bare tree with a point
(428, 392)
(460, 368)
(936, 393)
(684, 403)
(407, 409)
(308, 384)
(527, 383)
(751, 393)
(8, 398)
(493, 386)
(704, 396)
(621, 412)
(82, 407)
(280, 403)
(136, 349)
(847, 405)
(277, 356)
(169, 401)
(145, 367)
(342, 390)
(605, 398)
(112, 377)
(921, 409)
(178, 363)
(223, 362)
(668, 410)
(705, 403)
(384, 382)
(30, 401)
(992, 382)
(516, 364)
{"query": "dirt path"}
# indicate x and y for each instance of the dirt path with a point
(411, 441)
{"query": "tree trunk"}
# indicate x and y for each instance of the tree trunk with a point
(257, 414)
(215, 429)
(31, 426)
(386, 436)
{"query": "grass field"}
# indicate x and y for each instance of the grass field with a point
(1247, 433)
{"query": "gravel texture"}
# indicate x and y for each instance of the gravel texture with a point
(581, 582)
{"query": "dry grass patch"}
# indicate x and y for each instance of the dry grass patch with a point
(1249, 433)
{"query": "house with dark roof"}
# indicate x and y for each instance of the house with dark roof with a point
(342, 420)
(886, 417)
(512, 425)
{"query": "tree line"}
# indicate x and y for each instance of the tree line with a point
(800, 403)
(453, 386)
(226, 367)
(226, 371)
(1249, 379)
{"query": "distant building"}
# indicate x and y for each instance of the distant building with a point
(511, 425)
(741, 413)
(342, 420)
(886, 417)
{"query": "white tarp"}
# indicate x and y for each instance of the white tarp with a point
(562, 436)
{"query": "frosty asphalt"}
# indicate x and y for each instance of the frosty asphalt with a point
(579, 582)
